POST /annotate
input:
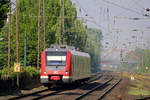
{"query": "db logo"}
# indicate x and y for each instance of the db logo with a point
(55, 72)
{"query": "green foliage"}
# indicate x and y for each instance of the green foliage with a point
(146, 58)
(144, 55)
(74, 35)
(74, 32)
(93, 47)
(148, 71)
(128, 66)
(3, 11)
(3, 47)
(139, 71)
(31, 70)
(28, 71)
(138, 52)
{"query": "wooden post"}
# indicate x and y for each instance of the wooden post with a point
(17, 55)
(61, 41)
(38, 57)
(9, 38)
(44, 20)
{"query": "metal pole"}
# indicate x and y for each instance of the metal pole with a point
(38, 35)
(17, 60)
(25, 51)
(61, 22)
(44, 20)
(143, 55)
(17, 57)
(9, 38)
(143, 62)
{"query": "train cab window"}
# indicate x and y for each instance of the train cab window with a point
(56, 59)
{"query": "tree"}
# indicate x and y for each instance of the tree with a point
(93, 47)
(75, 34)
(3, 47)
(3, 11)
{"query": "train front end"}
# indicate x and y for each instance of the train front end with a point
(55, 66)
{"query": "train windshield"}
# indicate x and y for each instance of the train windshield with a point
(56, 59)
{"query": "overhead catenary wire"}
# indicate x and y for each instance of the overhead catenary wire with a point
(132, 18)
(81, 6)
(125, 11)
(120, 6)
(90, 21)
(137, 3)
(103, 10)
(138, 11)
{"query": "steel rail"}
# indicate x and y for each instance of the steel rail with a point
(107, 91)
(93, 89)
(36, 93)
(27, 95)
(45, 90)
(47, 95)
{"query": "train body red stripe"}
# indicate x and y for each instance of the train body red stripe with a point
(68, 63)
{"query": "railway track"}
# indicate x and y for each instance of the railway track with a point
(68, 93)
(41, 94)
(93, 89)
(74, 93)
(86, 95)
(37, 95)
(108, 90)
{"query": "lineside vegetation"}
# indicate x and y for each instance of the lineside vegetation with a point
(74, 35)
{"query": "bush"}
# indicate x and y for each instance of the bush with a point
(3, 72)
(139, 71)
(32, 71)
(25, 71)
(148, 71)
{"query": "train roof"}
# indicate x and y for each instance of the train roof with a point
(78, 53)
(64, 48)
(57, 48)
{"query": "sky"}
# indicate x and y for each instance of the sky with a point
(115, 19)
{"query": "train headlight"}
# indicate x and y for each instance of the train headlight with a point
(66, 72)
(44, 72)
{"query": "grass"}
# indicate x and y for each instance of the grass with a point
(139, 88)
(138, 91)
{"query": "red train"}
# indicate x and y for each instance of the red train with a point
(62, 64)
